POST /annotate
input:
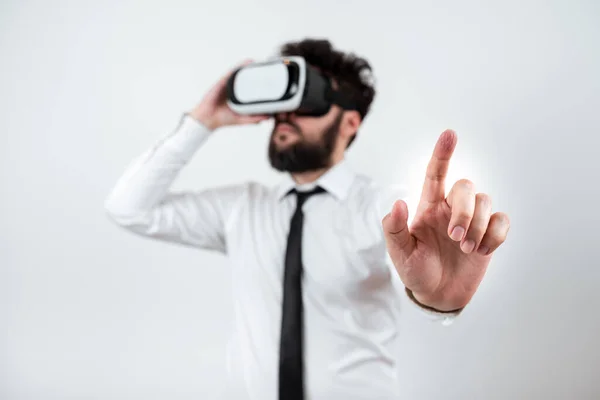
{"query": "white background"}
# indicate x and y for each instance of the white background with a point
(88, 311)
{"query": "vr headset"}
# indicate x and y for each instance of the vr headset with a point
(286, 84)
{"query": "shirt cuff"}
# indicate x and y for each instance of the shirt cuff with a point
(446, 318)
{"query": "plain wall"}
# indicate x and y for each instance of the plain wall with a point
(89, 311)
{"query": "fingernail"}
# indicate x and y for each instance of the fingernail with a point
(483, 250)
(468, 246)
(457, 233)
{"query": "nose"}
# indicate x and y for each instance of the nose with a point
(284, 116)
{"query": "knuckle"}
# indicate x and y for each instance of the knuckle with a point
(506, 220)
(484, 200)
(435, 174)
(466, 184)
(500, 220)
(495, 236)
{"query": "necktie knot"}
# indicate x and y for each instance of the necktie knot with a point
(303, 196)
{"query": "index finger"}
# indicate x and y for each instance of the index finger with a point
(437, 169)
(218, 88)
(241, 64)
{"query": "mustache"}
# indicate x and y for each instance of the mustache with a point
(290, 124)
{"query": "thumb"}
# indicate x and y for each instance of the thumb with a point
(395, 227)
(251, 119)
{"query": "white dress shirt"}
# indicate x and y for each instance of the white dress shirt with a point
(351, 302)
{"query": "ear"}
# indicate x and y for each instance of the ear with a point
(350, 124)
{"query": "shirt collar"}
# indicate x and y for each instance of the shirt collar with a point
(336, 181)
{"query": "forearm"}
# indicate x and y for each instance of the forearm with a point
(148, 179)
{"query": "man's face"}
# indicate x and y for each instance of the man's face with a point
(301, 144)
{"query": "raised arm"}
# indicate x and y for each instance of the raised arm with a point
(142, 200)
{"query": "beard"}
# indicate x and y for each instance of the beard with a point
(304, 156)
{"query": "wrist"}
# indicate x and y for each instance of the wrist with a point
(431, 305)
(204, 117)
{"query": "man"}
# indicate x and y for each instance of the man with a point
(313, 290)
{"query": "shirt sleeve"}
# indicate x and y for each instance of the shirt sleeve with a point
(142, 202)
(386, 198)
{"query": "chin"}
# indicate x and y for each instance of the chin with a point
(282, 145)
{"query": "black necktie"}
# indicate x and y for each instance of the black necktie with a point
(291, 366)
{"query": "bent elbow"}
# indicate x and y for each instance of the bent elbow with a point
(118, 213)
(113, 213)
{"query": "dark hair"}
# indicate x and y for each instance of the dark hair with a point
(352, 73)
